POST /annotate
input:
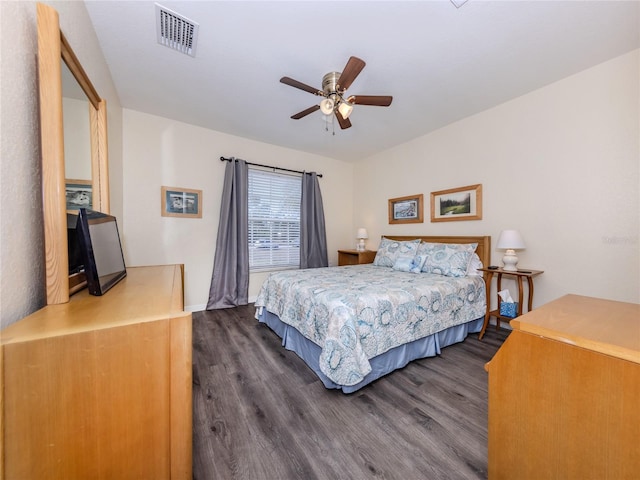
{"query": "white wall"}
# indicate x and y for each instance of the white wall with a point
(21, 253)
(162, 152)
(22, 246)
(560, 165)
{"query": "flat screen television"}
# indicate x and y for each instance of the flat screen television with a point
(102, 252)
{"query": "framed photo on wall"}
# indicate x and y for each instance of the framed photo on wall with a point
(463, 203)
(181, 202)
(406, 209)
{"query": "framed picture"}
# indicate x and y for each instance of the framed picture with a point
(463, 203)
(181, 202)
(406, 209)
(78, 194)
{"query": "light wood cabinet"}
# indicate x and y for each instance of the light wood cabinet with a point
(563, 393)
(355, 257)
(100, 387)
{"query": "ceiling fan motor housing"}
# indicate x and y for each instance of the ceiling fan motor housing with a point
(329, 82)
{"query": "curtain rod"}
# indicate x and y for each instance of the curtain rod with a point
(222, 159)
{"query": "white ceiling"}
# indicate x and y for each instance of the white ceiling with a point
(440, 63)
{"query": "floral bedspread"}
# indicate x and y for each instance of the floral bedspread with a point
(357, 312)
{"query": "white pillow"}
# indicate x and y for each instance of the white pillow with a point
(474, 265)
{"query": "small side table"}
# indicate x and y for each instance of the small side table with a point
(355, 257)
(520, 274)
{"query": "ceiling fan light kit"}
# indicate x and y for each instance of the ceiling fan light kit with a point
(326, 106)
(345, 109)
(334, 85)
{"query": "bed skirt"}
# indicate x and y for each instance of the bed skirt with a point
(389, 361)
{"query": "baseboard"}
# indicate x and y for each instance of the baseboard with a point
(203, 306)
(503, 324)
(195, 308)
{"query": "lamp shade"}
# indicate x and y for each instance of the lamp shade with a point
(326, 106)
(362, 233)
(510, 240)
(345, 109)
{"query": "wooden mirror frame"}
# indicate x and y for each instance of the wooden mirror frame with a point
(52, 48)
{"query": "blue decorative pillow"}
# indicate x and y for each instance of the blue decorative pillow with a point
(390, 250)
(411, 264)
(448, 259)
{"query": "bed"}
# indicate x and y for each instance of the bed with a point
(354, 324)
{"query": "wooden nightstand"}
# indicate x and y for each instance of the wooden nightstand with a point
(354, 257)
(520, 274)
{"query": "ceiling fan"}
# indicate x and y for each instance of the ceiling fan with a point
(334, 85)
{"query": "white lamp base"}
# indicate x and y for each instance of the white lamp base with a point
(360, 247)
(510, 260)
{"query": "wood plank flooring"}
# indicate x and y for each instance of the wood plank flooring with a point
(260, 413)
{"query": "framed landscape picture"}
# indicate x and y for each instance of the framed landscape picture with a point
(181, 202)
(463, 203)
(406, 209)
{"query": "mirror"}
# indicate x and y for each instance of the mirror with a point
(52, 47)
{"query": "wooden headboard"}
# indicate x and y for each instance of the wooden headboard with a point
(483, 250)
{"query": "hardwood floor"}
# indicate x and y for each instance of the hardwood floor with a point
(261, 413)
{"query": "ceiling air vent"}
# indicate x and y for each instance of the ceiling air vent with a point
(175, 31)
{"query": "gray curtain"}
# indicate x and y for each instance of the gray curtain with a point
(230, 278)
(313, 236)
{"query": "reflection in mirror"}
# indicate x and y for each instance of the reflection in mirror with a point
(77, 143)
(75, 118)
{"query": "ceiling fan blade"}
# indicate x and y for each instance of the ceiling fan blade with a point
(351, 70)
(344, 122)
(375, 100)
(302, 86)
(306, 112)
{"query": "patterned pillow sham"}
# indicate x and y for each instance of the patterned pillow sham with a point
(448, 259)
(410, 263)
(390, 250)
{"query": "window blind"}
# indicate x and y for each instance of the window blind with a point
(274, 220)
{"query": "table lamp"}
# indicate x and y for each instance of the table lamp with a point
(361, 236)
(510, 240)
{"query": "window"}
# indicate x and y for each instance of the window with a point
(274, 220)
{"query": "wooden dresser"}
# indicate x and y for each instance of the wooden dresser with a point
(564, 393)
(100, 387)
